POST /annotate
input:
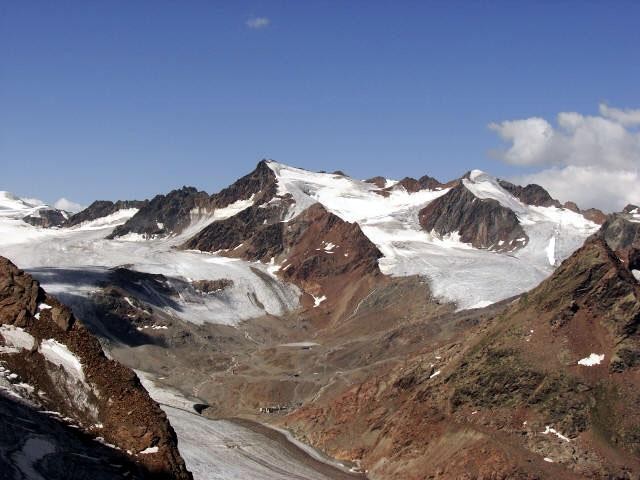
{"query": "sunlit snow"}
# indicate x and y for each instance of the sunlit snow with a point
(457, 272)
(58, 354)
(591, 360)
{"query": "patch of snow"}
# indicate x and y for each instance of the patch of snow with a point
(591, 360)
(149, 450)
(329, 246)
(58, 354)
(318, 300)
(299, 344)
(108, 221)
(547, 459)
(548, 430)
(551, 251)
(16, 337)
(44, 306)
(435, 374)
(232, 209)
(636, 274)
(481, 304)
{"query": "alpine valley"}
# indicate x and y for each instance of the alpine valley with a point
(303, 325)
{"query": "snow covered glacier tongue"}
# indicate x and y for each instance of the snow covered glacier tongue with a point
(74, 262)
(457, 271)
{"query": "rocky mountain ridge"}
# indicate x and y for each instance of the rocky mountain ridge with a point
(61, 367)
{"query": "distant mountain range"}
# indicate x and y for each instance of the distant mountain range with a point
(411, 328)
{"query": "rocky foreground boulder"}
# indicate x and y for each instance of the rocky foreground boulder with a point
(54, 363)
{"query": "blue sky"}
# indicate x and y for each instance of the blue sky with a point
(109, 99)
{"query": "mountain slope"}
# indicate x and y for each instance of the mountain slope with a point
(529, 240)
(62, 367)
(546, 389)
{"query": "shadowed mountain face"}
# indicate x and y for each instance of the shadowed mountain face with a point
(484, 223)
(61, 367)
(546, 389)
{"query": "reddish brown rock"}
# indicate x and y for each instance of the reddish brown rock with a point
(105, 392)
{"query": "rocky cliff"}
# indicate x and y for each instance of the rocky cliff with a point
(62, 368)
(484, 223)
(170, 214)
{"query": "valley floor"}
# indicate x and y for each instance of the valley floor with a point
(225, 449)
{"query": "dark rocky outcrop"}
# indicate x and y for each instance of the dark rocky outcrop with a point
(172, 213)
(103, 397)
(46, 218)
(531, 194)
(423, 183)
(261, 183)
(260, 227)
(210, 286)
(484, 223)
(621, 231)
(102, 208)
(168, 213)
(378, 181)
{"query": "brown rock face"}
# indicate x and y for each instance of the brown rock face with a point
(621, 231)
(261, 183)
(102, 393)
(512, 397)
(378, 181)
(484, 223)
(531, 194)
(319, 252)
(423, 183)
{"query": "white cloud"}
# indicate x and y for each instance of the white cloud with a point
(624, 117)
(258, 22)
(592, 160)
(68, 205)
(588, 186)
